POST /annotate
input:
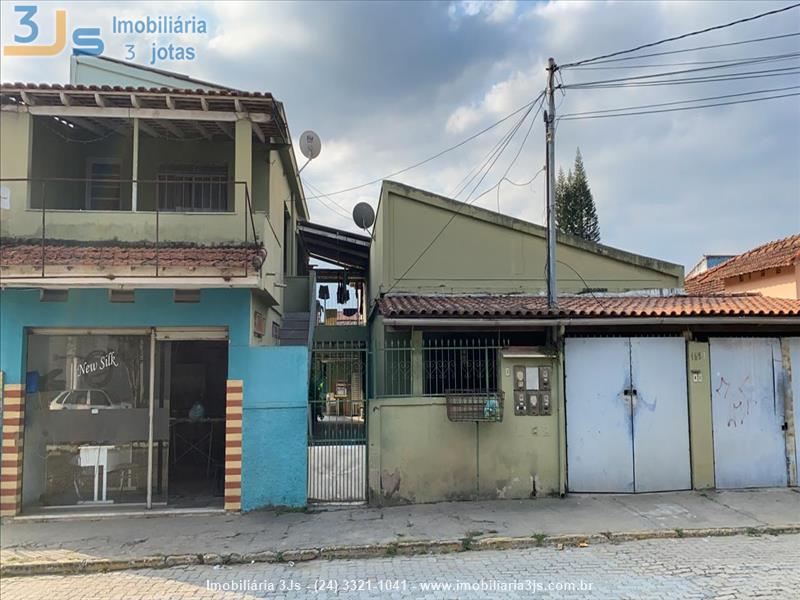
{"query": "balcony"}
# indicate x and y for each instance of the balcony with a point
(182, 227)
(127, 182)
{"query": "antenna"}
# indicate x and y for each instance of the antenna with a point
(310, 146)
(363, 215)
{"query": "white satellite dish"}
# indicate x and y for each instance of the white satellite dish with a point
(310, 144)
(363, 215)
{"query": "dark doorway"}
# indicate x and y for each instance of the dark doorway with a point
(194, 379)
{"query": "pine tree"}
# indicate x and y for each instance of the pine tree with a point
(576, 213)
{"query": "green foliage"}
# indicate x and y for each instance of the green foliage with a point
(576, 213)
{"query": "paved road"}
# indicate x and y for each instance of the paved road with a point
(722, 568)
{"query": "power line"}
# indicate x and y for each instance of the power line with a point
(458, 212)
(709, 47)
(470, 176)
(341, 211)
(764, 58)
(786, 71)
(609, 110)
(666, 110)
(433, 157)
(789, 56)
(683, 36)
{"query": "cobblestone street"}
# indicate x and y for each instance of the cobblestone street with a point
(724, 567)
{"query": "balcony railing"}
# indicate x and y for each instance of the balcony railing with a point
(196, 226)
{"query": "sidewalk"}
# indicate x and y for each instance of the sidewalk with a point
(268, 536)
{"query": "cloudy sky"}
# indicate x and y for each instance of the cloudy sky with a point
(388, 84)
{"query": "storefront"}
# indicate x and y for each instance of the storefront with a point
(143, 404)
(124, 417)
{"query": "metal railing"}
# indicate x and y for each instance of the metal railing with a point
(151, 234)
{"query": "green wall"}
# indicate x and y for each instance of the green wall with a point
(482, 251)
(417, 455)
(700, 424)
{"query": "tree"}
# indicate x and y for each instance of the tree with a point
(576, 213)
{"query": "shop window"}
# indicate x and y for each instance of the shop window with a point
(86, 419)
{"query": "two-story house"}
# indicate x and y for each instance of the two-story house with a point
(149, 256)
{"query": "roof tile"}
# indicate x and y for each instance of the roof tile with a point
(776, 254)
(522, 306)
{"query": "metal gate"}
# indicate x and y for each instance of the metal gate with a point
(337, 429)
(627, 414)
(747, 413)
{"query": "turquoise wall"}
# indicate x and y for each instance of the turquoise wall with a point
(275, 379)
(274, 424)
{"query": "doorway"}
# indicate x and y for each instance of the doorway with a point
(192, 387)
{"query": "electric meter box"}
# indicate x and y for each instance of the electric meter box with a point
(531, 373)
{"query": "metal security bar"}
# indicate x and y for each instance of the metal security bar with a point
(337, 430)
(438, 367)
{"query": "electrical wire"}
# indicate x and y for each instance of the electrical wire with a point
(336, 208)
(680, 64)
(469, 177)
(682, 36)
(466, 203)
(666, 110)
(635, 78)
(787, 71)
(433, 157)
(706, 99)
(694, 49)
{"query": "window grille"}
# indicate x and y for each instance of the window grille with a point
(195, 188)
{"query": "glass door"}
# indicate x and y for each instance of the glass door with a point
(88, 419)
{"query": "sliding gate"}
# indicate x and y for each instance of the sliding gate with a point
(337, 431)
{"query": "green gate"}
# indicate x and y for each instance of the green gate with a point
(337, 423)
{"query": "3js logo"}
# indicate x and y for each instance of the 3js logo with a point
(85, 40)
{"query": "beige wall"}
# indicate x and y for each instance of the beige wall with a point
(700, 422)
(770, 282)
(417, 455)
(482, 251)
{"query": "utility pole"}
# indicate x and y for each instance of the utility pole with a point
(550, 136)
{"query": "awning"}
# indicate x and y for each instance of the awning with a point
(335, 246)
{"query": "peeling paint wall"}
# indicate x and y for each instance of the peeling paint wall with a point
(417, 455)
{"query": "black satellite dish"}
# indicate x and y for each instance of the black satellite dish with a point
(363, 215)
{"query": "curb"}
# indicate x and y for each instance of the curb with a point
(410, 548)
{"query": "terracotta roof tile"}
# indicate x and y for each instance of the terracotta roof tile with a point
(780, 253)
(116, 255)
(521, 306)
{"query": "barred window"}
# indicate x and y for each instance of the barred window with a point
(194, 188)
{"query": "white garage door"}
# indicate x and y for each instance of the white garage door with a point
(627, 415)
(747, 413)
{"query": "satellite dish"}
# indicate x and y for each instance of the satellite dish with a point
(363, 215)
(310, 144)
